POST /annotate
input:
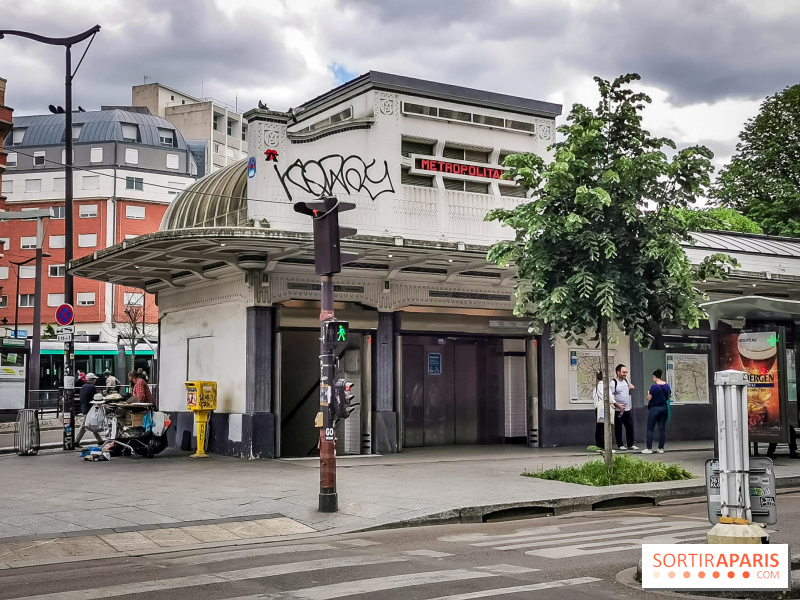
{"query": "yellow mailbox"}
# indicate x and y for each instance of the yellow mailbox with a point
(201, 399)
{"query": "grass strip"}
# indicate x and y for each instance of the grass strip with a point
(626, 469)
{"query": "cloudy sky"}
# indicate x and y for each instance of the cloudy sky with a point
(707, 63)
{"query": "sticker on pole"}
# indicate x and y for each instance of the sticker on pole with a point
(64, 314)
(716, 567)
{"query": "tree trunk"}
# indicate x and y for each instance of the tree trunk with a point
(606, 389)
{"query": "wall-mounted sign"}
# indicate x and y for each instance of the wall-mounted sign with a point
(434, 363)
(456, 168)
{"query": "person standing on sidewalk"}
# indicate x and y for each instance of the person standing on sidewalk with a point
(657, 411)
(621, 390)
(88, 390)
(599, 409)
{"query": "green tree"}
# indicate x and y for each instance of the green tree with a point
(586, 253)
(762, 180)
(49, 332)
(717, 218)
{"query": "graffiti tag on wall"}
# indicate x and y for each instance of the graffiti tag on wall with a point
(334, 174)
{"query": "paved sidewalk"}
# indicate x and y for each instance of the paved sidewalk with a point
(57, 495)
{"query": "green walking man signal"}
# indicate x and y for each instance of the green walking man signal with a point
(336, 332)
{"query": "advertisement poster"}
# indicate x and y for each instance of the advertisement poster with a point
(757, 355)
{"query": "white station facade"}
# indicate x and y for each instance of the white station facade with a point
(434, 349)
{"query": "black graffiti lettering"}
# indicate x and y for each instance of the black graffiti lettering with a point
(334, 174)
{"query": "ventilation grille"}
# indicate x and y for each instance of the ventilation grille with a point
(466, 117)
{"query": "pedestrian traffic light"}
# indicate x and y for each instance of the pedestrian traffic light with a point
(336, 332)
(328, 257)
(343, 398)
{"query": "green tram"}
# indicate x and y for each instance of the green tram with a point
(93, 357)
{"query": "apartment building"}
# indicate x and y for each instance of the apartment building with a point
(129, 166)
(214, 131)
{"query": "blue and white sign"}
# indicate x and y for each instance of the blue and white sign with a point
(19, 334)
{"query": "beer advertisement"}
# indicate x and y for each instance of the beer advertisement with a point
(756, 354)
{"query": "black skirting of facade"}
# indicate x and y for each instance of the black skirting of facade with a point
(257, 439)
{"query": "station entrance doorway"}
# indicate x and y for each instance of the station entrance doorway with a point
(452, 391)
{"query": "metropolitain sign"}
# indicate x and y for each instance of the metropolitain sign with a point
(455, 168)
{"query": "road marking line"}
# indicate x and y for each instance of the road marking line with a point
(431, 553)
(503, 569)
(378, 584)
(357, 543)
(476, 537)
(598, 534)
(519, 588)
(603, 546)
(141, 587)
(218, 556)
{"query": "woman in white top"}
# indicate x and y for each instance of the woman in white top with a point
(599, 409)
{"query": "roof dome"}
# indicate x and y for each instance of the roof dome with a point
(216, 200)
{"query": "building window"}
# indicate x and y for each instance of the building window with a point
(26, 300)
(55, 299)
(57, 271)
(87, 240)
(96, 155)
(215, 124)
(85, 298)
(27, 272)
(175, 186)
(28, 243)
(244, 132)
(76, 131)
(88, 211)
(8, 186)
(230, 127)
(216, 148)
(57, 241)
(33, 185)
(132, 156)
(130, 132)
(58, 212)
(38, 159)
(134, 212)
(166, 137)
(17, 136)
(407, 178)
(173, 161)
(3, 272)
(3, 301)
(514, 191)
(133, 299)
(64, 157)
(91, 182)
(134, 183)
(11, 159)
(59, 185)
(409, 147)
(6, 243)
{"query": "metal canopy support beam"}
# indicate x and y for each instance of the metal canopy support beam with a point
(453, 272)
(396, 266)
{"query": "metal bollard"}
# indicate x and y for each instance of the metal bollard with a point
(26, 436)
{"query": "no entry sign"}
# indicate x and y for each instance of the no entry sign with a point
(64, 314)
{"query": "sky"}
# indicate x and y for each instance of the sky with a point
(707, 64)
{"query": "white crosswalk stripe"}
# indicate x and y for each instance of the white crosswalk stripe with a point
(172, 583)
(532, 587)
(249, 553)
(380, 584)
(564, 540)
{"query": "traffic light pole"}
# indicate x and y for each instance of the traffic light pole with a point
(328, 498)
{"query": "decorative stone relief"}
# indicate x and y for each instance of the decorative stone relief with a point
(387, 105)
(208, 293)
(274, 137)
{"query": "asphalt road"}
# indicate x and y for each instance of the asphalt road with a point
(573, 556)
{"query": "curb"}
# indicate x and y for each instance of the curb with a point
(561, 506)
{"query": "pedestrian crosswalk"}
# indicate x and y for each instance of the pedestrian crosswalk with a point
(315, 571)
(600, 535)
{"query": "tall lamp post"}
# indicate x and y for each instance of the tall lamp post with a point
(69, 347)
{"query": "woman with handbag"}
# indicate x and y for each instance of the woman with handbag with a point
(657, 412)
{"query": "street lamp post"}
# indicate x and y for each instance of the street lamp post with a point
(16, 306)
(69, 347)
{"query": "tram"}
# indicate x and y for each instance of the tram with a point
(92, 357)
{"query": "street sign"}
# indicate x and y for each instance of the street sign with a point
(66, 329)
(761, 481)
(20, 334)
(64, 337)
(64, 314)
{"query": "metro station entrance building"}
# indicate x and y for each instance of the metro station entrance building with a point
(437, 356)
